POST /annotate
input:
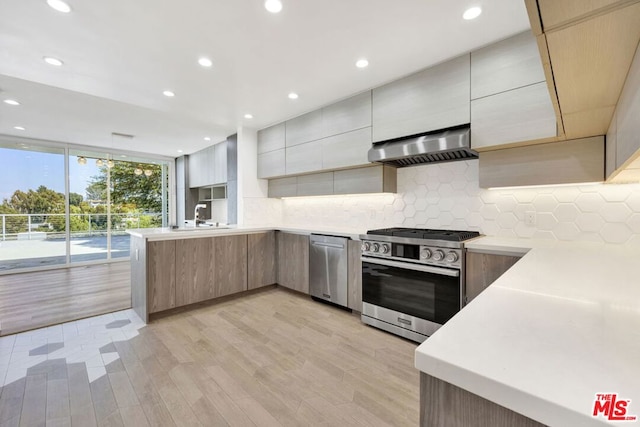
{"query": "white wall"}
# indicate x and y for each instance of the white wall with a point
(254, 208)
(447, 195)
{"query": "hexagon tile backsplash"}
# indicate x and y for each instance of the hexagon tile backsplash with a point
(447, 195)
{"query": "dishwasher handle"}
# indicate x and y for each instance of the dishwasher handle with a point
(328, 245)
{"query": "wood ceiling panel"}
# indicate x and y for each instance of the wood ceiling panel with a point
(558, 12)
(590, 61)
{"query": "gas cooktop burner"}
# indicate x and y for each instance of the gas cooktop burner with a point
(418, 233)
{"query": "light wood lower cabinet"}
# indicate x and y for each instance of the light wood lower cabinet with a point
(187, 271)
(354, 279)
(443, 404)
(161, 275)
(482, 269)
(230, 265)
(195, 263)
(293, 261)
(261, 251)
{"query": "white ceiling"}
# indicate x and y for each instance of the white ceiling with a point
(120, 55)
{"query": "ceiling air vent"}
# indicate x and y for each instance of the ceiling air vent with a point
(121, 135)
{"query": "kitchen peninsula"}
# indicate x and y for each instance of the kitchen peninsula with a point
(556, 329)
(173, 268)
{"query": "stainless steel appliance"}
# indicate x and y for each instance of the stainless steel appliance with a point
(442, 146)
(328, 268)
(412, 279)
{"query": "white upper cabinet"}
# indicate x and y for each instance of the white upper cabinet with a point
(522, 114)
(271, 144)
(508, 64)
(303, 158)
(433, 99)
(220, 163)
(510, 98)
(344, 116)
(628, 115)
(305, 128)
(208, 166)
(347, 149)
(623, 137)
(271, 138)
(198, 169)
(271, 164)
(611, 148)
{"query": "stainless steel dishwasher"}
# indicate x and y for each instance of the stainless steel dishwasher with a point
(328, 268)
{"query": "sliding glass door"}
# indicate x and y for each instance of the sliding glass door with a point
(64, 206)
(137, 192)
(88, 200)
(32, 208)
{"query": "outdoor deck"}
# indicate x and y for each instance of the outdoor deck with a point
(20, 254)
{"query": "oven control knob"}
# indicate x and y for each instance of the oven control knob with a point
(425, 254)
(376, 247)
(451, 257)
(438, 255)
(384, 248)
(366, 246)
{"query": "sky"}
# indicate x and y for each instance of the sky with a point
(27, 170)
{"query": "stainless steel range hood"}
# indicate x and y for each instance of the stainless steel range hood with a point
(444, 146)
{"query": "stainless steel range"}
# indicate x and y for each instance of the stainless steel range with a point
(412, 279)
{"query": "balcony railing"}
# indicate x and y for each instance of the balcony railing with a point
(48, 226)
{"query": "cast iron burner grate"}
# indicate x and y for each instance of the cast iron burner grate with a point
(418, 233)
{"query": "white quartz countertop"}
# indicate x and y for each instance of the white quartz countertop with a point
(154, 234)
(560, 326)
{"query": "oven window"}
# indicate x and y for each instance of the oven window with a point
(428, 296)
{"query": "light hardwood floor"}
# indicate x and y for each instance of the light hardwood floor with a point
(270, 358)
(33, 300)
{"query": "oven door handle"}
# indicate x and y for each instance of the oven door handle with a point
(415, 267)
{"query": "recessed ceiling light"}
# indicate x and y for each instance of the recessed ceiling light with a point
(59, 5)
(273, 6)
(19, 128)
(248, 116)
(53, 61)
(122, 155)
(205, 62)
(472, 13)
(11, 102)
(179, 151)
(362, 63)
(293, 95)
(206, 138)
(168, 93)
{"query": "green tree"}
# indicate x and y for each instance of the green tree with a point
(13, 224)
(78, 221)
(41, 201)
(139, 191)
(75, 199)
(97, 190)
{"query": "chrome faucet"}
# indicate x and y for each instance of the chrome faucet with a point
(196, 221)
